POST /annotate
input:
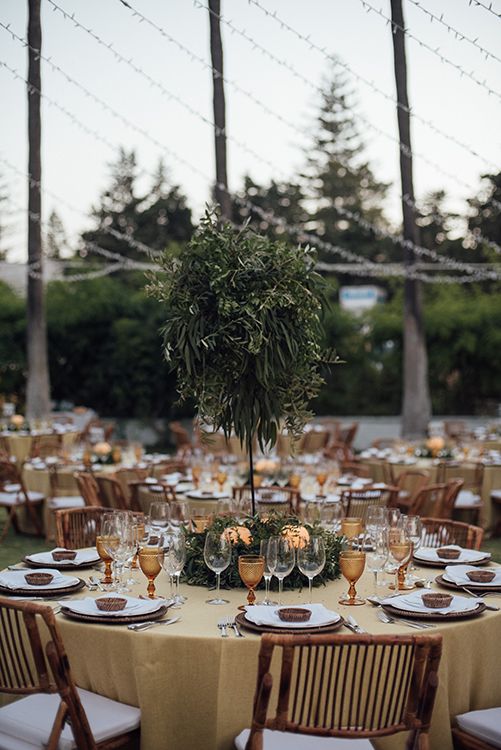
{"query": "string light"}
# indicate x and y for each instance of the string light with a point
(370, 84)
(458, 34)
(488, 8)
(133, 243)
(121, 58)
(369, 266)
(368, 7)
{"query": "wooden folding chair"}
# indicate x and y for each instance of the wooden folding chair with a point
(439, 532)
(54, 711)
(110, 493)
(14, 495)
(345, 686)
(356, 502)
(282, 497)
(87, 487)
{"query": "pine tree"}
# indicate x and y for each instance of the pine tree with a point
(338, 176)
(56, 240)
(485, 219)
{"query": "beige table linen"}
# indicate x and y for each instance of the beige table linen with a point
(195, 689)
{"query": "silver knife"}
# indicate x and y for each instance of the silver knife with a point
(138, 626)
(353, 625)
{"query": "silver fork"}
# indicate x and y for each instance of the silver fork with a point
(385, 617)
(231, 623)
(222, 625)
(481, 596)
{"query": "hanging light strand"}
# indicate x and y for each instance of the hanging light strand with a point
(457, 34)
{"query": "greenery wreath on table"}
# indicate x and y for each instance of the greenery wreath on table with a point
(246, 538)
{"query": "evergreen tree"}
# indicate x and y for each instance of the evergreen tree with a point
(156, 218)
(338, 176)
(56, 240)
(4, 227)
(485, 219)
(283, 199)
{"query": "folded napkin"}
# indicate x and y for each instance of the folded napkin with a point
(206, 495)
(414, 603)
(457, 574)
(330, 498)
(83, 556)
(134, 606)
(429, 554)
(260, 614)
(14, 579)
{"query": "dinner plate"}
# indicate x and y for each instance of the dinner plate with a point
(206, 495)
(267, 616)
(472, 608)
(472, 557)
(45, 560)
(117, 620)
(442, 580)
(40, 591)
(247, 625)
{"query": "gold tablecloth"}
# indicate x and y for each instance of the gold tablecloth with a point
(195, 689)
(19, 446)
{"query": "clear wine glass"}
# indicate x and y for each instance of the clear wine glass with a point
(311, 559)
(375, 519)
(286, 558)
(217, 556)
(331, 515)
(399, 553)
(159, 517)
(173, 557)
(377, 554)
(414, 527)
(270, 562)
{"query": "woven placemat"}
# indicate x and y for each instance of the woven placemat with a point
(100, 619)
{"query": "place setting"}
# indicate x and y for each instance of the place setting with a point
(467, 577)
(432, 605)
(63, 558)
(111, 609)
(40, 583)
(450, 554)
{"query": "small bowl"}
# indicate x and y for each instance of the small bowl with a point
(448, 553)
(436, 600)
(294, 614)
(64, 554)
(38, 579)
(111, 603)
(481, 576)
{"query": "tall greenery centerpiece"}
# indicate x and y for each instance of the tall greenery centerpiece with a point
(243, 330)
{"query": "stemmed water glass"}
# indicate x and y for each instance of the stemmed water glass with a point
(311, 559)
(331, 515)
(217, 556)
(179, 515)
(414, 527)
(377, 553)
(270, 562)
(352, 564)
(120, 543)
(172, 555)
(159, 517)
(283, 549)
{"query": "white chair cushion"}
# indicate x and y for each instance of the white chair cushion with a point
(17, 498)
(273, 740)
(10, 743)
(467, 498)
(56, 503)
(31, 719)
(496, 494)
(11, 487)
(485, 724)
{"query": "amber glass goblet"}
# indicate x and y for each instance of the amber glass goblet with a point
(251, 570)
(150, 562)
(352, 564)
(351, 528)
(103, 541)
(221, 478)
(321, 479)
(196, 473)
(294, 481)
(400, 551)
(139, 531)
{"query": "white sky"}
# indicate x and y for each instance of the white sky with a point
(75, 164)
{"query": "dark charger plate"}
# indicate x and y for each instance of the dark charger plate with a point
(114, 619)
(44, 592)
(248, 625)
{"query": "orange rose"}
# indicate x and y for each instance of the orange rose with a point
(102, 449)
(297, 535)
(435, 445)
(236, 534)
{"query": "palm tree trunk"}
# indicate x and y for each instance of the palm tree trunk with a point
(216, 51)
(416, 408)
(37, 388)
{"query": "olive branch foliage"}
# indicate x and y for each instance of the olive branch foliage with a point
(196, 573)
(243, 329)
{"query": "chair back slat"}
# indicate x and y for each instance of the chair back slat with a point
(110, 493)
(357, 502)
(438, 532)
(77, 527)
(88, 488)
(349, 686)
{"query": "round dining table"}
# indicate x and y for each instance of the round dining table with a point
(196, 688)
